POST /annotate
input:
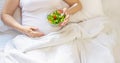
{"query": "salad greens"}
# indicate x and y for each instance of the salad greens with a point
(56, 17)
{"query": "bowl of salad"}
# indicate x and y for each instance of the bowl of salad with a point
(56, 17)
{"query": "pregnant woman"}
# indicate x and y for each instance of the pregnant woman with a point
(41, 42)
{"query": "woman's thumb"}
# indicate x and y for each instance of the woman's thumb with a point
(34, 28)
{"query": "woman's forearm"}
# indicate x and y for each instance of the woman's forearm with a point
(74, 8)
(10, 21)
(8, 12)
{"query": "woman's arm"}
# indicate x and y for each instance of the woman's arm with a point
(8, 12)
(7, 17)
(74, 6)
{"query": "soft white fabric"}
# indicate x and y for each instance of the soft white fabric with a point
(78, 42)
(6, 36)
(59, 47)
(85, 30)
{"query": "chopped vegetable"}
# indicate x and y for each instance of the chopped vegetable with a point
(56, 17)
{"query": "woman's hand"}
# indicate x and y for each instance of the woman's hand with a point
(74, 6)
(66, 20)
(31, 31)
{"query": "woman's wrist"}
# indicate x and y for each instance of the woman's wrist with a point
(72, 9)
(20, 28)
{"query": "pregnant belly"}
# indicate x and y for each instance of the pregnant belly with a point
(39, 21)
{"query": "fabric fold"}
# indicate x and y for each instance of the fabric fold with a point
(85, 30)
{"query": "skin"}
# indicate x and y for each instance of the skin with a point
(11, 6)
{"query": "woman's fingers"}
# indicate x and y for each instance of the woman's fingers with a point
(34, 28)
(32, 31)
(64, 10)
(65, 21)
(37, 34)
(67, 16)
